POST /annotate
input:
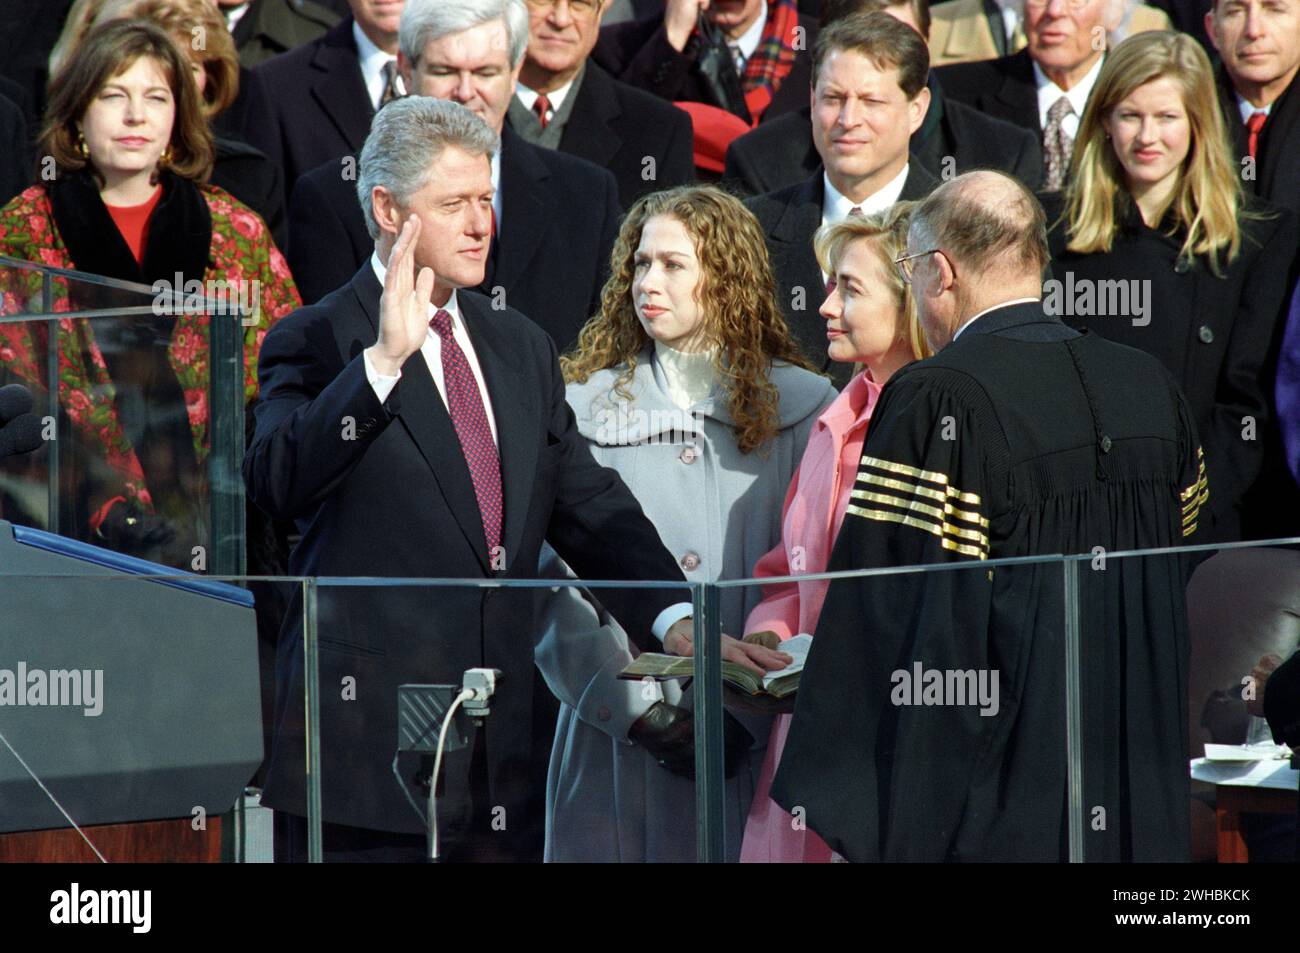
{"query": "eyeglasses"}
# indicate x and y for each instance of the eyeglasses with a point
(578, 8)
(906, 263)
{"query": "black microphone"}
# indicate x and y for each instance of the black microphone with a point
(15, 400)
(20, 435)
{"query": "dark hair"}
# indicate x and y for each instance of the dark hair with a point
(887, 42)
(188, 21)
(108, 51)
(833, 10)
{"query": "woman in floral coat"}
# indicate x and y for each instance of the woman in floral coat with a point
(131, 153)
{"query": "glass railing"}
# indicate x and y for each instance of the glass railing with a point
(1046, 709)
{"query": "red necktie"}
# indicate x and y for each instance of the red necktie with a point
(1253, 125)
(542, 106)
(469, 417)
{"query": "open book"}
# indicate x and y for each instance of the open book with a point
(779, 684)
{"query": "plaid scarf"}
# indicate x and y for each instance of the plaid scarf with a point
(773, 58)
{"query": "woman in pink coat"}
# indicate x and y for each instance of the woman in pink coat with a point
(870, 320)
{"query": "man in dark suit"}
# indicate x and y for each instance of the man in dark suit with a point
(555, 215)
(266, 28)
(1045, 87)
(870, 96)
(1259, 92)
(565, 102)
(732, 64)
(315, 102)
(953, 139)
(413, 430)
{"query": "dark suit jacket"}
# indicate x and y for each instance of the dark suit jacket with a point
(1003, 88)
(638, 52)
(394, 499)
(1277, 165)
(256, 181)
(789, 218)
(616, 126)
(1216, 335)
(310, 105)
(272, 27)
(559, 216)
(15, 159)
(781, 152)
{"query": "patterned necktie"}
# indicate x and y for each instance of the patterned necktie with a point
(469, 417)
(542, 106)
(389, 93)
(1253, 126)
(1057, 145)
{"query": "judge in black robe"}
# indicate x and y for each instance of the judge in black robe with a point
(1022, 437)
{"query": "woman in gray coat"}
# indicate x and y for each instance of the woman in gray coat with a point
(689, 384)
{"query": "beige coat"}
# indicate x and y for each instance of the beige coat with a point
(959, 30)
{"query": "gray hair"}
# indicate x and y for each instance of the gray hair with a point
(426, 20)
(406, 138)
(987, 221)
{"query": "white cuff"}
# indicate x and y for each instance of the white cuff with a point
(665, 620)
(382, 384)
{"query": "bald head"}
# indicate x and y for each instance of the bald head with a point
(992, 236)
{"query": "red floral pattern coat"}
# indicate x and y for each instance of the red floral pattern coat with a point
(241, 251)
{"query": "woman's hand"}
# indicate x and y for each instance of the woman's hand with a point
(680, 640)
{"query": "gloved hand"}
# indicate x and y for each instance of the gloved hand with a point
(668, 734)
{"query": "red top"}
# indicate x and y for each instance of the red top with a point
(133, 222)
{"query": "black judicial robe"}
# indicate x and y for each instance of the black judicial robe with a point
(1023, 437)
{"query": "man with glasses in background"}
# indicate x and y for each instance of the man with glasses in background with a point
(1046, 85)
(562, 101)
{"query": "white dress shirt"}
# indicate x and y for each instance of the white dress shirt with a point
(743, 47)
(383, 384)
(234, 14)
(528, 96)
(1249, 109)
(836, 207)
(372, 59)
(1002, 304)
(1049, 93)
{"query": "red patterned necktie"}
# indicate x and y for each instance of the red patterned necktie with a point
(469, 417)
(542, 106)
(1253, 126)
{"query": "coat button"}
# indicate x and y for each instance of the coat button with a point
(1105, 444)
(1182, 266)
(604, 714)
(688, 455)
(1205, 334)
(691, 562)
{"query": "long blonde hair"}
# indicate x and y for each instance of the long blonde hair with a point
(736, 293)
(1208, 197)
(886, 234)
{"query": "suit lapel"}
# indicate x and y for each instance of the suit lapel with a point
(425, 417)
(1018, 94)
(589, 132)
(515, 407)
(339, 88)
(795, 262)
(526, 207)
(919, 182)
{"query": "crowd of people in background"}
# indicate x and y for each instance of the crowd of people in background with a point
(702, 210)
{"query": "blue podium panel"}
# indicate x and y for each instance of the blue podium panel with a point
(130, 698)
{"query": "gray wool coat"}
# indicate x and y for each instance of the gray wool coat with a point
(718, 511)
